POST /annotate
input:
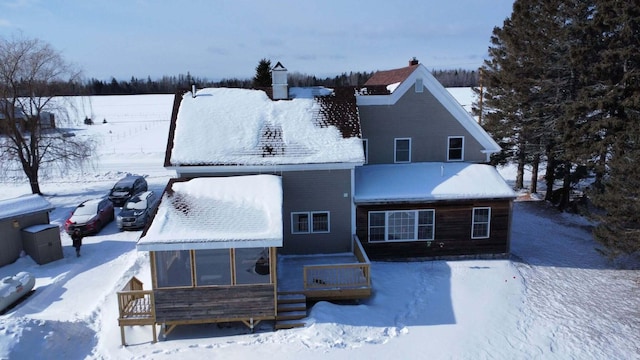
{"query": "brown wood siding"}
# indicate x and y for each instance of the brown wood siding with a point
(421, 117)
(452, 232)
(213, 304)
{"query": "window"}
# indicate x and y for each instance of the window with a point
(402, 150)
(480, 223)
(401, 225)
(365, 147)
(213, 267)
(455, 149)
(173, 268)
(310, 222)
(252, 266)
(419, 85)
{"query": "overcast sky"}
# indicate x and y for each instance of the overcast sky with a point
(218, 39)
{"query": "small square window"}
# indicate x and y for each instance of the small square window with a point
(300, 223)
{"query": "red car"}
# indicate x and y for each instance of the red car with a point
(90, 216)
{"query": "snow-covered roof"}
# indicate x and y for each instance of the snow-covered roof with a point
(430, 181)
(406, 77)
(23, 205)
(217, 213)
(223, 126)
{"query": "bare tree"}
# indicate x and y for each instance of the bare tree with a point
(32, 73)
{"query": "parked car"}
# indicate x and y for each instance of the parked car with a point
(136, 211)
(90, 216)
(126, 188)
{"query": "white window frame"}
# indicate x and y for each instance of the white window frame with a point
(475, 222)
(365, 147)
(449, 148)
(310, 216)
(416, 225)
(395, 150)
(419, 86)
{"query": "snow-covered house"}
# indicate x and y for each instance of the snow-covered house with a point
(424, 191)
(246, 162)
(303, 184)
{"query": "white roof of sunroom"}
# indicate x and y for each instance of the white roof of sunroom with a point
(217, 213)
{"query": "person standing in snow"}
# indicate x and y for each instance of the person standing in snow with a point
(76, 237)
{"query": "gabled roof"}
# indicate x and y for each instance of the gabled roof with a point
(23, 205)
(393, 91)
(231, 127)
(427, 182)
(217, 213)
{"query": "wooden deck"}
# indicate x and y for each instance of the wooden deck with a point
(345, 276)
(136, 307)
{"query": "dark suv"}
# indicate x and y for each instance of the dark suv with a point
(125, 188)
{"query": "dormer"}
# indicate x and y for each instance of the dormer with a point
(279, 82)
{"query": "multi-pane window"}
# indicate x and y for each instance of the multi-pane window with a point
(401, 225)
(212, 267)
(455, 148)
(481, 223)
(310, 222)
(402, 150)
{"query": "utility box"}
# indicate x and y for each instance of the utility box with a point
(42, 242)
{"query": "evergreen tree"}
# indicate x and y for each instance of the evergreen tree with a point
(263, 74)
(615, 99)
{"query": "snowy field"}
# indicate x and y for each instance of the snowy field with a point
(557, 298)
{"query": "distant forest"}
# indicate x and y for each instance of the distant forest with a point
(170, 84)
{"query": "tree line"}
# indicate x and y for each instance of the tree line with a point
(561, 89)
(171, 84)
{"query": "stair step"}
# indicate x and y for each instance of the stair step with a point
(291, 315)
(291, 298)
(288, 324)
(291, 307)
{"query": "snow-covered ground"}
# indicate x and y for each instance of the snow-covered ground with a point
(557, 298)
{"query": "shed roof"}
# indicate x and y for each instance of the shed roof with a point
(24, 205)
(432, 181)
(217, 213)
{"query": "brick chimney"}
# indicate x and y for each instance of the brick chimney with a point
(279, 82)
(413, 61)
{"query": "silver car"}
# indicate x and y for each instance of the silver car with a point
(137, 210)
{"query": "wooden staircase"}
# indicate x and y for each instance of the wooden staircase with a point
(292, 308)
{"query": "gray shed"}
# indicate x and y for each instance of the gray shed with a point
(15, 215)
(42, 242)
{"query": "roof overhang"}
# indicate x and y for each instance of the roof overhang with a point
(259, 169)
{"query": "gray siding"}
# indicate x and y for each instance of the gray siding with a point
(314, 190)
(11, 240)
(318, 191)
(418, 116)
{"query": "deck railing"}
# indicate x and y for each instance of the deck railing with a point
(340, 276)
(133, 301)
